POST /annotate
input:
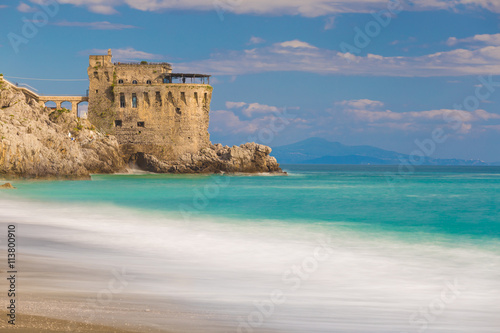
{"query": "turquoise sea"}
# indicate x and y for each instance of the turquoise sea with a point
(348, 248)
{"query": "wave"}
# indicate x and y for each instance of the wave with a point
(260, 275)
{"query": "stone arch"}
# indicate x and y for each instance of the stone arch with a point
(51, 105)
(82, 109)
(134, 81)
(120, 81)
(67, 105)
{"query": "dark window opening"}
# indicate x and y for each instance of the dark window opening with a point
(97, 91)
(158, 98)
(196, 98)
(122, 100)
(134, 82)
(146, 99)
(140, 124)
(183, 97)
(148, 81)
(178, 110)
(96, 74)
(120, 81)
(107, 76)
(118, 123)
(134, 100)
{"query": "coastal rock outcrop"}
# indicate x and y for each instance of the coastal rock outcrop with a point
(7, 186)
(40, 142)
(247, 158)
(37, 142)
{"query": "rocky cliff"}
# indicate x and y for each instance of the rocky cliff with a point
(37, 142)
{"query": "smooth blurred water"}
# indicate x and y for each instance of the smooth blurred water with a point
(449, 200)
(223, 244)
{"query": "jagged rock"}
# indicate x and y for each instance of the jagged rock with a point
(247, 158)
(7, 186)
(36, 142)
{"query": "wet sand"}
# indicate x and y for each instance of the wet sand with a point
(29, 323)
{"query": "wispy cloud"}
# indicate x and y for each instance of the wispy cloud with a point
(485, 39)
(25, 8)
(374, 114)
(301, 56)
(126, 54)
(3, 6)
(330, 23)
(256, 40)
(250, 109)
(103, 25)
(310, 8)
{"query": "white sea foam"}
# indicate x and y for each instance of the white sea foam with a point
(226, 271)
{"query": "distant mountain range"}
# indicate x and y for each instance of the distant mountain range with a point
(321, 151)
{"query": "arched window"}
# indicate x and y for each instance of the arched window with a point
(134, 82)
(148, 81)
(120, 81)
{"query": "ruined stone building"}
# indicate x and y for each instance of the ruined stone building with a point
(148, 108)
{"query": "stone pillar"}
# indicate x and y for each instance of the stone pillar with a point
(74, 108)
(58, 105)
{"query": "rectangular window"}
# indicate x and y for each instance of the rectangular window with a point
(134, 100)
(122, 100)
(140, 124)
(183, 97)
(158, 98)
(146, 99)
(118, 123)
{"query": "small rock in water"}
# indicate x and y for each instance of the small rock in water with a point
(7, 186)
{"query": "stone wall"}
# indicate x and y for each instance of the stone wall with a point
(166, 119)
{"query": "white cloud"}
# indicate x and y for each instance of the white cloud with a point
(228, 122)
(372, 113)
(125, 54)
(25, 8)
(297, 44)
(104, 25)
(250, 109)
(300, 56)
(3, 6)
(492, 40)
(309, 8)
(256, 40)
(330, 23)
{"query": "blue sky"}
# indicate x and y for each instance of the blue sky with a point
(286, 70)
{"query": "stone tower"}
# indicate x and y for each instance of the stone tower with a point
(148, 108)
